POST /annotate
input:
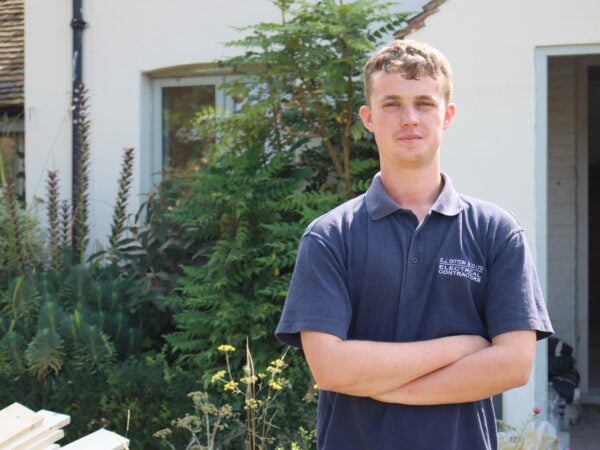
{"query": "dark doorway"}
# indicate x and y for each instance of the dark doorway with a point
(594, 226)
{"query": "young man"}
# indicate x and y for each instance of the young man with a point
(414, 305)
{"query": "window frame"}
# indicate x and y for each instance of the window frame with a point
(222, 103)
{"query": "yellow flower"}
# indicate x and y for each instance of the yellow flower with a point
(249, 380)
(162, 434)
(278, 363)
(218, 376)
(275, 385)
(273, 370)
(226, 348)
(230, 386)
(253, 404)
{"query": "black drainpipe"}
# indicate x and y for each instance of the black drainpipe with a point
(77, 24)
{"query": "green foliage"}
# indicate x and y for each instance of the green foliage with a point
(300, 80)
(45, 353)
(149, 249)
(72, 334)
(12, 352)
(138, 408)
(248, 213)
(65, 222)
(57, 232)
(133, 398)
(80, 227)
(150, 253)
(21, 245)
(276, 163)
(78, 317)
(120, 211)
(292, 150)
(19, 305)
(16, 254)
(94, 349)
(70, 339)
(245, 411)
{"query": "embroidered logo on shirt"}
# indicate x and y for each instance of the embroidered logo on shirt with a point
(457, 267)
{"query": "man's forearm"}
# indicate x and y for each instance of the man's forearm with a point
(367, 368)
(490, 371)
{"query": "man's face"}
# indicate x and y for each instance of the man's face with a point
(407, 118)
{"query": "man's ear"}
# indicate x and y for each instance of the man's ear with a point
(449, 114)
(366, 116)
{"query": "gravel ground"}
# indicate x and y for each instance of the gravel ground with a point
(585, 434)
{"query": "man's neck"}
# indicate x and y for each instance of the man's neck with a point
(414, 189)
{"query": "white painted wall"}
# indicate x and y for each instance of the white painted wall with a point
(490, 150)
(47, 95)
(123, 40)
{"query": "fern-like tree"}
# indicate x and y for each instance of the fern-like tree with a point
(299, 81)
(249, 212)
(293, 149)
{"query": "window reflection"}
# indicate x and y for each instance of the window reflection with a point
(12, 158)
(180, 105)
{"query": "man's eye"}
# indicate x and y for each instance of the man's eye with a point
(390, 105)
(429, 104)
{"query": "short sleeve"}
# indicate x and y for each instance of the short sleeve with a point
(318, 297)
(514, 299)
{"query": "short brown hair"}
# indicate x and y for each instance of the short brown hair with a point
(414, 60)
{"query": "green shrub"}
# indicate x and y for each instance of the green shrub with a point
(72, 335)
(21, 239)
(79, 317)
(244, 411)
(134, 398)
(293, 149)
(247, 211)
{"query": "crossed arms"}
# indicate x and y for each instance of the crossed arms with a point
(452, 369)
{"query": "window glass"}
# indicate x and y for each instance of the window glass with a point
(12, 160)
(180, 105)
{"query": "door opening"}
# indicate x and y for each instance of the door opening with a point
(594, 227)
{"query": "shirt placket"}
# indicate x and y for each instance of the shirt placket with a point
(412, 279)
(414, 260)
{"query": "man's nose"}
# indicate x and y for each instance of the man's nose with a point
(409, 116)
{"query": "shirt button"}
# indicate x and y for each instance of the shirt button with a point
(414, 260)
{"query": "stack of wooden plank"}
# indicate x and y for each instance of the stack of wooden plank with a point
(23, 429)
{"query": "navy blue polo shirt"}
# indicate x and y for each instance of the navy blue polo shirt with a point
(367, 270)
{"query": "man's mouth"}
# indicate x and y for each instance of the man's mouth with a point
(409, 137)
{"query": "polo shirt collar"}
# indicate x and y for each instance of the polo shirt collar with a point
(380, 204)
(448, 202)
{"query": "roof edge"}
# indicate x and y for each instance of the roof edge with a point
(417, 22)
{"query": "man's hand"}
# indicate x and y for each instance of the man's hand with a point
(503, 366)
(367, 368)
